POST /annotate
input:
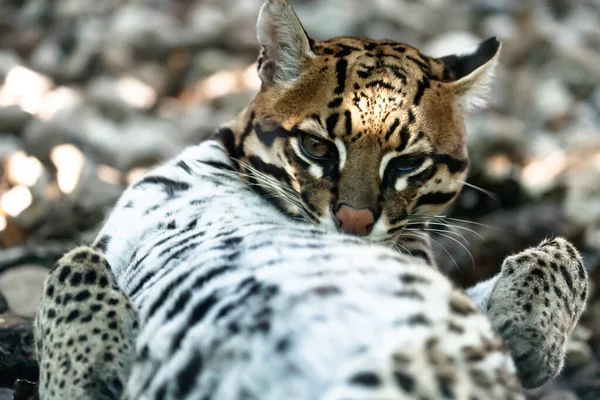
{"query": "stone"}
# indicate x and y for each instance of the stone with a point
(6, 394)
(8, 60)
(451, 43)
(560, 395)
(552, 99)
(162, 139)
(13, 119)
(22, 287)
(16, 339)
(501, 25)
(9, 144)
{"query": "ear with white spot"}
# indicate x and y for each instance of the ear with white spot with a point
(469, 75)
(285, 45)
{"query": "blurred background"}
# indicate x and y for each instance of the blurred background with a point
(95, 92)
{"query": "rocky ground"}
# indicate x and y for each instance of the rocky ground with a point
(95, 92)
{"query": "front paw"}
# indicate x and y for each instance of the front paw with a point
(535, 305)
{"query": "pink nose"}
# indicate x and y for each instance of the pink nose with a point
(354, 221)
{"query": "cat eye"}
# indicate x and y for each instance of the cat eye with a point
(316, 148)
(405, 164)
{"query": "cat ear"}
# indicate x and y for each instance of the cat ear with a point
(284, 43)
(469, 75)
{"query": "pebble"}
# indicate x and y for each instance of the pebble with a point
(19, 286)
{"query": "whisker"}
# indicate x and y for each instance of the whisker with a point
(466, 221)
(440, 231)
(492, 196)
(396, 244)
(423, 236)
(448, 225)
(462, 245)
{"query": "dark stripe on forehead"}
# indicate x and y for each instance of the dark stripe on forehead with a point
(404, 135)
(340, 71)
(346, 50)
(435, 198)
(348, 124)
(397, 72)
(331, 122)
(454, 164)
(392, 129)
(421, 86)
(335, 102)
(380, 84)
(411, 117)
(424, 67)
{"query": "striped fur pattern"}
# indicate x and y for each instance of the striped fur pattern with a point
(229, 256)
(236, 300)
(246, 303)
(374, 125)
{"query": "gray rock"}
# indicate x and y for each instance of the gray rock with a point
(8, 60)
(451, 43)
(144, 30)
(13, 119)
(208, 62)
(83, 126)
(22, 287)
(552, 99)
(6, 394)
(560, 395)
(500, 25)
(578, 354)
(148, 141)
(8, 145)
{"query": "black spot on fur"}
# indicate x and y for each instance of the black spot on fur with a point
(83, 295)
(76, 279)
(64, 273)
(567, 277)
(90, 277)
(405, 381)
(368, 379)
(72, 315)
(80, 256)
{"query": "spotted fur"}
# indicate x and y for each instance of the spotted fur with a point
(85, 330)
(238, 297)
(243, 302)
